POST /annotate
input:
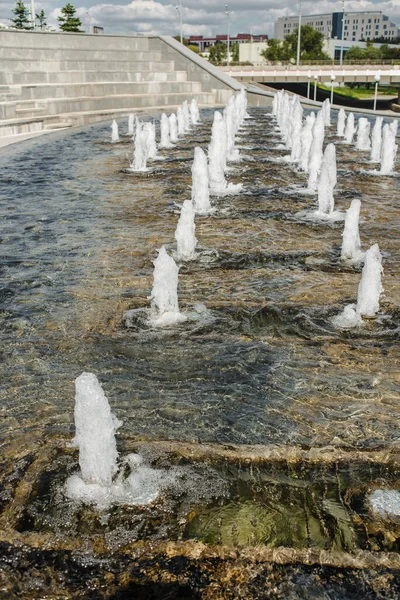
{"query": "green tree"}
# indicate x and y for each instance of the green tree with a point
(369, 53)
(193, 48)
(354, 53)
(41, 17)
(275, 51)
(390, 53)
(373, 53)
(235, 52)
(68, 22)
(22, 16)
(311, 44)
(385, 41)
(217, 53)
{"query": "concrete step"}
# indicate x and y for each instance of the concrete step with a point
(71, 90)
(46, 66)
(6, 89)
(26, 124)
(8, 110)
(9, 97)
(127, 102)
(39, 77)
(31, 111)
(18, 126)
(26, 39)
(58, 125)
(83, 117)
(109, 54)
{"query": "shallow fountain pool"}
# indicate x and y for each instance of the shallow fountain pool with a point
(267, 367)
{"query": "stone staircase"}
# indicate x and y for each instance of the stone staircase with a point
(51, 80)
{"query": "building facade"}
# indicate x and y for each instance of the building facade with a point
(241, 38)
(358, 26)
(251, 52)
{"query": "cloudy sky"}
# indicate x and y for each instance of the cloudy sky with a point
(200, 17)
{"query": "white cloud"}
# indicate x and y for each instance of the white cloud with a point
(201, 17)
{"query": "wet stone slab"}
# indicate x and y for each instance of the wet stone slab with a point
(234, 521)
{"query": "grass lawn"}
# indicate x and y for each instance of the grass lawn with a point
(360, 92)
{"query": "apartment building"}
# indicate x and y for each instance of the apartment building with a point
(203, 43)
(357, 26)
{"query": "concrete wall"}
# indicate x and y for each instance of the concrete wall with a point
(251, 52)
(212, 78)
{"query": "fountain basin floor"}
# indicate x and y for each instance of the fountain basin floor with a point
(78, 239)
(256, 515)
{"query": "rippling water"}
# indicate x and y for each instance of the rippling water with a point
(78, 236)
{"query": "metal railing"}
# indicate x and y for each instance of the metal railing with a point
(316, 63)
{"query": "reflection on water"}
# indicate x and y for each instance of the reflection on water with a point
(266, 366)
(78, 240)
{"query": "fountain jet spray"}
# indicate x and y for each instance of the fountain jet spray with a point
(186, 116)
(388, 150)
(370, 287)
(341, 123)
(327, 182)
(349, 129)
(232, 153)
(114, 132)
(173, 128)
(200, 190)
(164, 294)
(326, 111)
(95, 426)
(150, 129)
(181, 121)
(363, 142)
(217, 155)
(369, 291)
(185, 233)
(297, 123)
(141, 148)
(351, 244)
(194, 112)
(131, 124)
(316, 151)
(306, 137)
(376, 140)
(165, 141)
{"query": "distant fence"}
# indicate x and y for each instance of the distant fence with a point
(287, 66)
(332, 62)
